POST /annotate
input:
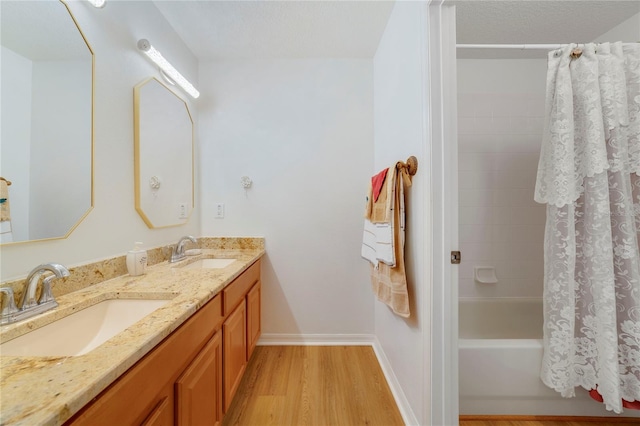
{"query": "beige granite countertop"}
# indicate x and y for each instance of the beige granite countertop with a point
(49, 390)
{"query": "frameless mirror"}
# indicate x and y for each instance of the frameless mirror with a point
(163, 155)
(46, 113)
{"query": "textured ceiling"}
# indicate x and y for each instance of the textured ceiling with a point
(278, 29)
(215, 29)
(532, 22)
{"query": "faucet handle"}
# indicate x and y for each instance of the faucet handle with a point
(9, 306)
(47, 295)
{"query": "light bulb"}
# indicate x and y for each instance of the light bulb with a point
(98, 3)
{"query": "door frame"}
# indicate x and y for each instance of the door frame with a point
(442, 367)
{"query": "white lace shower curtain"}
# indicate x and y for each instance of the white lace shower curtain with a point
(589, 177)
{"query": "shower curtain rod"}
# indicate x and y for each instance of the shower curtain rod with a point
(514, 46)
(510, 46)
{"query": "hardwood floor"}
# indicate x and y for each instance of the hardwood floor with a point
(545, 421)
(341, 386)
(313, 385)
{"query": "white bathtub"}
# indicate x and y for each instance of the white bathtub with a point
(500, 353)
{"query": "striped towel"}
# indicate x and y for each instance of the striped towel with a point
(377, 237)
(377, 243)
(389, 283)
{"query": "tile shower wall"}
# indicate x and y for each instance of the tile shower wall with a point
(500, 224)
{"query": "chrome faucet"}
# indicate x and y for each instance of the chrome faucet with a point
(28, 305)
(178, 250)
(9, 305)
(28, 299)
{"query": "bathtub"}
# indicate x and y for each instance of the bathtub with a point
(500, 353)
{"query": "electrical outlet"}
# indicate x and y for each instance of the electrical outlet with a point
(219, 210)
(182, 208)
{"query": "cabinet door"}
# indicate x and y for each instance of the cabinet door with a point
(162, 414)
(253, 318)
(199, 389)
(235, 351)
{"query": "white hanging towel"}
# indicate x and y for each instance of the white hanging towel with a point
(377, 243)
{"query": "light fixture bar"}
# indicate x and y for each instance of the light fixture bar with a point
(98, 3)
(166, 67)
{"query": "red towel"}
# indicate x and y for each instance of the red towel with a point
(376, 183)
(634, 405)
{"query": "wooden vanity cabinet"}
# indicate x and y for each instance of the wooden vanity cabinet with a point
(198, 391)
(239, 328)
(191, 376)
(253, 318)
(162, 414)
(145, 394)
(234, 333)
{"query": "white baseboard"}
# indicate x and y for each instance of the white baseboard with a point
(396, 390)
(275, 339)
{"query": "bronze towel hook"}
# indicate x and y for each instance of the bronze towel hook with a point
(8, 181)
(411, 165)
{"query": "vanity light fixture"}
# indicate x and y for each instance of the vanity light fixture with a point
(166, 67)
(98, 3)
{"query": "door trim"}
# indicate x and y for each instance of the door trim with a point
(442, 123)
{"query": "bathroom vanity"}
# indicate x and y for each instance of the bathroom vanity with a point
(194, 373)
(180, 364)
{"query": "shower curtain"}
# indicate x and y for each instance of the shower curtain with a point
(589, 177)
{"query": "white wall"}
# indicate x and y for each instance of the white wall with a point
(500, 113)
(60, 128)
(302, 130)
(113, 225)
(16, 116)
(627, 31)
(399, 117)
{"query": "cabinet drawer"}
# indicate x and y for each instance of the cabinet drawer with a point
(234, 293)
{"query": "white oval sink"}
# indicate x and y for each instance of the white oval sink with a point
(82, 331)
(208, 264)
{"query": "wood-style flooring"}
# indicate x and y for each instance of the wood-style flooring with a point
(313, 386)
(341, 386)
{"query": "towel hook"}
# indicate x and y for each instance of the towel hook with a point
(8, 181)
(411, 165)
